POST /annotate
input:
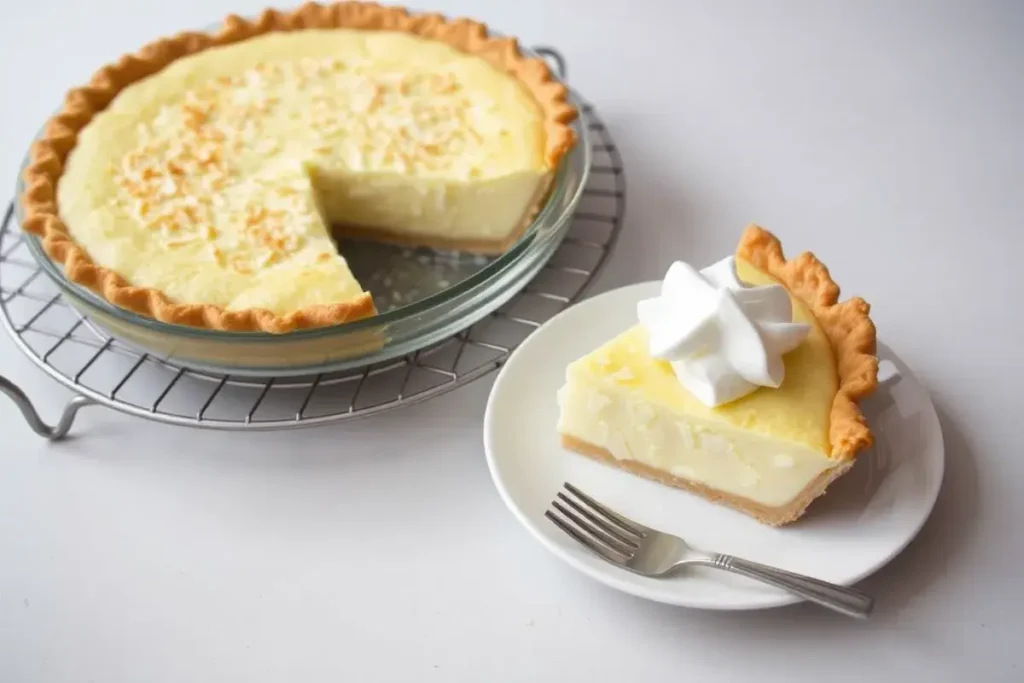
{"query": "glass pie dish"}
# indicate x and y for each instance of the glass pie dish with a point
(423, 296)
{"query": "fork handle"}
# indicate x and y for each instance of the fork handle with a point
(847, 601)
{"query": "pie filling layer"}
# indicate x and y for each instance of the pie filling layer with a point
(600, 413)
(766, 447)
(217, 179)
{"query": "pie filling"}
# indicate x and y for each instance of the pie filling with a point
(220, 179)
(598, 412)
(766, 447)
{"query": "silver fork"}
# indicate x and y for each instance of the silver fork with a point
(650, 552)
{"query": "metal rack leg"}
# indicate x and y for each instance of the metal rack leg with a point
(554, 58)
(54, 433)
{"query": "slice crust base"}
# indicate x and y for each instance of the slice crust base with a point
(772, 516)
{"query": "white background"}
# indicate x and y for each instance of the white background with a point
(885, 136)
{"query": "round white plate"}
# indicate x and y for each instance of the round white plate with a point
(866, 518)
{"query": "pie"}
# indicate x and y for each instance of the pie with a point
(767, 453)
(202, 181)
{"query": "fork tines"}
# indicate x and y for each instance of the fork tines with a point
(594, 526)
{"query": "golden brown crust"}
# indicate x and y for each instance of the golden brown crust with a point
(846, 324)
(48, 155)
(774, 516)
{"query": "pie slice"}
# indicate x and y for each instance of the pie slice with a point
(203, 180)
(768, 453)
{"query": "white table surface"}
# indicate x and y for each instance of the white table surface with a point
(885, 136)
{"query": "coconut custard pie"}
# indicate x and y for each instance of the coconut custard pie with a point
(739, 383)
(201, 181)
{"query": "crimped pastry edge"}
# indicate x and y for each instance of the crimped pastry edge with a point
(49, 154)
(846, 324)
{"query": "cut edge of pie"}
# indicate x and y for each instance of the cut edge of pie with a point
(772, 516)
(49, 153)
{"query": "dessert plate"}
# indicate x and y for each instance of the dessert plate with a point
(866, 518)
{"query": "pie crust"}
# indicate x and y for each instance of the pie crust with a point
(846, 324)
(59, 137)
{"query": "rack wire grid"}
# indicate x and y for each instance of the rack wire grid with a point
(101, 370)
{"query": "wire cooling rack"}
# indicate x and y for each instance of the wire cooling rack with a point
(103, 371)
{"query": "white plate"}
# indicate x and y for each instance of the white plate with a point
(867, 517)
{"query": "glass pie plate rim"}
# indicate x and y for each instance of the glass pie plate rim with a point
(460, 305)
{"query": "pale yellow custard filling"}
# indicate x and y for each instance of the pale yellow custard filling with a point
(766, 447)
(215, 180)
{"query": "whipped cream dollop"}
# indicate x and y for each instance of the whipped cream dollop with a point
(722, 338)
